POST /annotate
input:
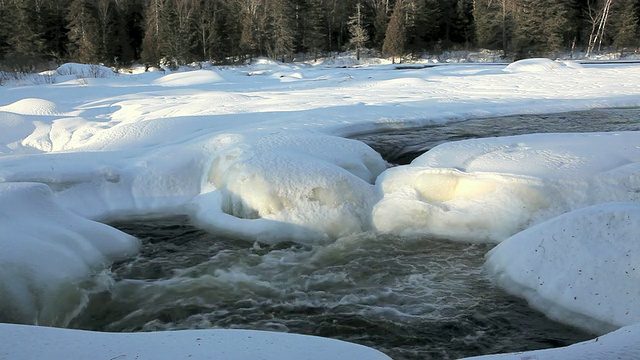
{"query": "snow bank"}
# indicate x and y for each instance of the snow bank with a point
(621, 344)
(581, 268)
(47, 252)
(489, 189)
(85, 71)
(13, 130)
(541, 65)
(51, 343)
(31, 106)
(303, 187)
(190, 78)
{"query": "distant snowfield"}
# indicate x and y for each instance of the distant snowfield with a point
(259, 152)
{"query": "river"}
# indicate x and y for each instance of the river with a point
(412, 298)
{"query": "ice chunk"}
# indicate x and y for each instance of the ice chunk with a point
(47, 252)
(581, 268)
(489, 189)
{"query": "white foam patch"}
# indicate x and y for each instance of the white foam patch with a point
(47, 252)
(31, 106)
(55, 343)
(489, 189)
(190, 78)
(581, 268)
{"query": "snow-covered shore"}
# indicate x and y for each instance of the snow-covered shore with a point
(257, 151)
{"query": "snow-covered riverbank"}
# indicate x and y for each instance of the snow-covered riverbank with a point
(257, 152)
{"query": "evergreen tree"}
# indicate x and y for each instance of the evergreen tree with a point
(394, 39)
(207, 24)
(105, 19)
(280, 31)
(151, 53)
(83, 32)
(540, 26)
(315, 28)
(493, 23)
(253, 20)
(53, 20)
(381, 22)
(464, 22)
(626, 32)
(24, 43)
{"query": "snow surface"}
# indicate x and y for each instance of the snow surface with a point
(257, 151)
(581, 268)
(621, 344)
(50, 343)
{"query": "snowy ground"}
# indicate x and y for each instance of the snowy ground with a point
(258, 152)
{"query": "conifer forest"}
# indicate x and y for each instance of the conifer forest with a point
(174, 32)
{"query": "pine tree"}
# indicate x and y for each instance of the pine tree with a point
(394, 39)
(493, 23)
(540, 26)
(380, 24)
(359, 35)
(280, 31)
(24, 43)
(626, 34)
(83, 32)
(105, 19)
(151, 54)
(464, 21)
(207, 24)
(252, 19)
(315, 34)
(422, 23)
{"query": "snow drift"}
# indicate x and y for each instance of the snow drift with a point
(581, 268)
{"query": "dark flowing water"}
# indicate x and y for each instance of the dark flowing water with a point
(402, 146)
(412, 298)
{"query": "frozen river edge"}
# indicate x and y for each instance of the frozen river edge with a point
(122, 187)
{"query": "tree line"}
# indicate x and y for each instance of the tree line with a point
(117, 32)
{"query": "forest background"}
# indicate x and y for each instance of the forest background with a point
(36, 33)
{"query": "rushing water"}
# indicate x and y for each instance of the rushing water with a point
(412, 298)
(402, 146)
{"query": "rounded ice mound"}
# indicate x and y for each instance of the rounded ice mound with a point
(47, 252)
(85, 70)
(537, 65)
(190, 78)
(581, 268)
(301, 187)
(31, 106)
(485, 190)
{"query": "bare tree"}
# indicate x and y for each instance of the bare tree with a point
(359, 35)
(599, 18)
